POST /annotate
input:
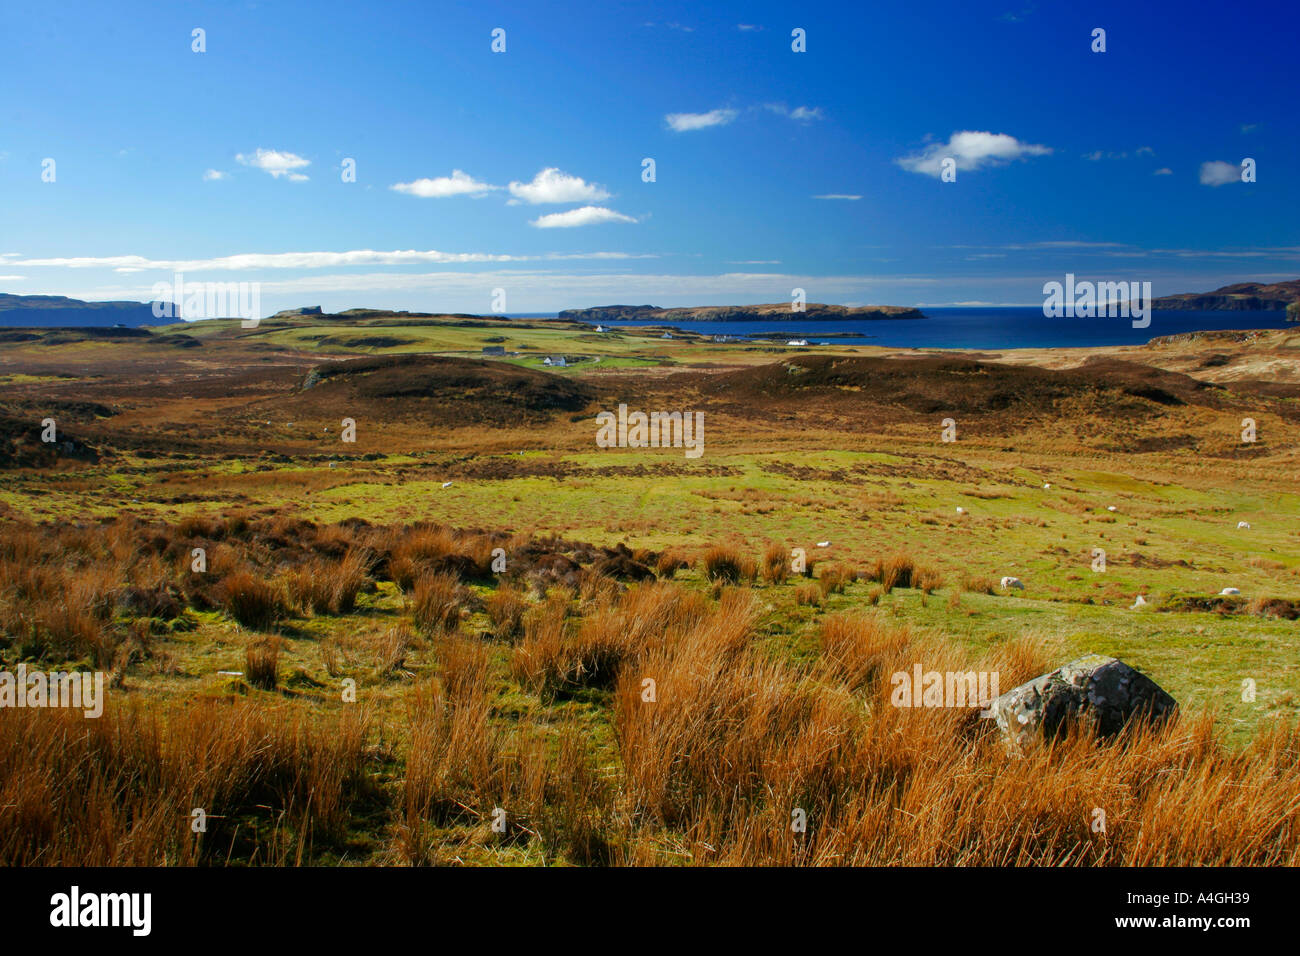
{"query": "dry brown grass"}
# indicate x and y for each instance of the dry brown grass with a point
(277, 787)
(690, 736)
(436, 602)
(505, 609)
(834, 578)
(808, 594)
(329, 586)
(252, 600)
(726, 564)
(776, 563)
(262, 663)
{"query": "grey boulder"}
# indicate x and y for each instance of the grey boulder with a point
(1102, 692)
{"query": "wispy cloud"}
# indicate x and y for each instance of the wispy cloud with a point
(971, 150)
(800, 113)
(1163, 171)
(459, 183)
(685, 122)
(214, 174)
(1218, 173)
(275, 162)
(302, 260)
(582, 216)
(848, 196)
(553, 186)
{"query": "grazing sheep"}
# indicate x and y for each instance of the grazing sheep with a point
(1010, 582)
(1111, 508)
(961, 510)
(1230, 591)
(1243, 524)
(1140, 602)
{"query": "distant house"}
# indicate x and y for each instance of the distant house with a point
(797, 342)
(556, 360)
(600, 328)
(666, 335)
(494, 350)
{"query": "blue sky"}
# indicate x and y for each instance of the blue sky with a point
(1067, 160)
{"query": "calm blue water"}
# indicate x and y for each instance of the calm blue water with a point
(996, 328)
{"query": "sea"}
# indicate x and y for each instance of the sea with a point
(986, 328)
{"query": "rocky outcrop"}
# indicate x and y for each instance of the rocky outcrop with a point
(652, 315)
(1241, 297)
(1100, 692)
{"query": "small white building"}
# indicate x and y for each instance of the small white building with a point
(555, 360)
(797, 342)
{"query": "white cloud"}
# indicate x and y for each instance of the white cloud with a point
(582, 216)
(746, 27)
(275, 162)
(12, 278)
(553, 186)
(304, 260)
(1163, 171)
(1219, 173)
(457, 184)
(1145, 151)
(971, 150)
(684, 122)
(847, 196)
(214, 174)
(801, 113)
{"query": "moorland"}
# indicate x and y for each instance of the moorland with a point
(368, 596)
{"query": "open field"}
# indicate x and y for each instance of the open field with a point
(366, 566)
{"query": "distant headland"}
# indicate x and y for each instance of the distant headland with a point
(1241, 297)
(735, 313)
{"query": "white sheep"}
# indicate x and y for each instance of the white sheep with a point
(1230, 591)
(1010, 582)
(1243, 524)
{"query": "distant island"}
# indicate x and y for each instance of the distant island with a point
(1241, 297)
(35, 311)
(653, 315)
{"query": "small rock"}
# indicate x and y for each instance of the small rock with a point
(1140, 602)
(1111, 508)
(446, 484)
(961, 510)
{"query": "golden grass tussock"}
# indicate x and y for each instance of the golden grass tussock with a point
(275, 787)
